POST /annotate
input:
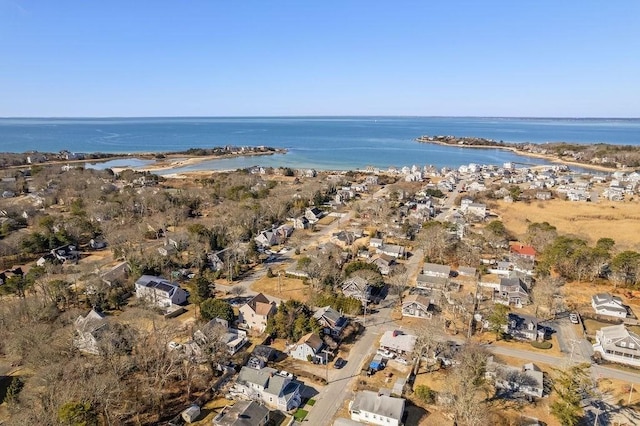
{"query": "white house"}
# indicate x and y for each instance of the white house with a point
(309, 348)
(255, 313)
(273, 388)
(606, 304)
(377, 408)
(617, 344)
(436, 270)
(398, 342)
(267, 238)
(391, 250)
(159, 291)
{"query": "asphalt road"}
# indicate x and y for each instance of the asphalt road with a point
(341, 382)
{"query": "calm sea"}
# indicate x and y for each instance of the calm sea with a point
(337, 143)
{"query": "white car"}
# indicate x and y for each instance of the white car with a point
(573, 317)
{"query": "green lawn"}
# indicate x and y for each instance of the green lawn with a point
(311, 402)
(300, 414)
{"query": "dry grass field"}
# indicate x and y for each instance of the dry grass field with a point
(590, 221)
(286, 288)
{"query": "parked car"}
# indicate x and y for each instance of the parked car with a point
(574, 318)
(339, 363)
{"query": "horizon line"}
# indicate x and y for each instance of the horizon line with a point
(318, 116)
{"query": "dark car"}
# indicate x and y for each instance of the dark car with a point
(339, 363)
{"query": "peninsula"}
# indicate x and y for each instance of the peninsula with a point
(599, 156)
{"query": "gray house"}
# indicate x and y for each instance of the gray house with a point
(269, 386)
(89, 330)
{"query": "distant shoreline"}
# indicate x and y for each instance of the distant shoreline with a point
(526, 150)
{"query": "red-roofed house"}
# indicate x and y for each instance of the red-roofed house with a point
(522, 251)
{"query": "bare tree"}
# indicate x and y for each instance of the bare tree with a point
(468, 393)
(428, 340)
(546, 292)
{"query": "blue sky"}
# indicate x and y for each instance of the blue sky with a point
(244, 58)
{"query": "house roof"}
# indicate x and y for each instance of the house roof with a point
(258, 377)
(522, 250)
(157, 283)
(313, 340)
(330, 315)
(91, 322)
(260, 304)
(430, 281)
(614, 333)
(606, 298)
(355, 283)
(382, 405)
(398, 341)
(466, 271)
(435, 268)
(242, 413)
(416, 298)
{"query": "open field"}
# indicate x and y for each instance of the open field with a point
(282, 287)
(589, 221)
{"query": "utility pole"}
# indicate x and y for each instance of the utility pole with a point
(326, 363)
(364, 315)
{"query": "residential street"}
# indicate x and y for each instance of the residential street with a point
(341, 382)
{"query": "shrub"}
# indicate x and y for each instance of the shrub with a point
(425, 394)
(542, 345)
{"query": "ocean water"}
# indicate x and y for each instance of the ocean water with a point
(336, 143)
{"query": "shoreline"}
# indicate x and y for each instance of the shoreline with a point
(183, 160)
(523, 153)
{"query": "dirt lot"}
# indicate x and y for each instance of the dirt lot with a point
(590, 221)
